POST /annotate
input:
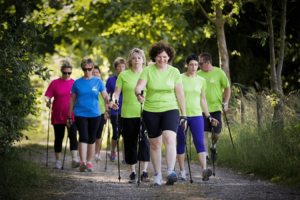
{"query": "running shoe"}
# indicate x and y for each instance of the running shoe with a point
(90, 167)
(182, 175)
(57, 164)
(112, 156)
(124, 162)
(171, 178)
(157, 179)
(97, 157)
(82, 166)
(132, 177)
(145, 177)
(75, 163)
(206, 173)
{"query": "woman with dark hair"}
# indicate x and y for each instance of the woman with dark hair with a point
(60, 90)
(194, 92)
(161, 115)
(131, 113)
(84, 102)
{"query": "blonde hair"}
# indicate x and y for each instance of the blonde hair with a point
(65, 63)
(132, 52)
(87, 61)
(118, 61)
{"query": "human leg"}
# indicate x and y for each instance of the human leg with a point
(93, 124)
(99, 138)
(82, 126)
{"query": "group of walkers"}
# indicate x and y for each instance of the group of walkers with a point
(156, 100)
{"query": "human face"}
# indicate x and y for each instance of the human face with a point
(96, 73)
(88, 70)
(203, 65)
(192, 67)
(66, 73)
(162, 59)
(120, 67)
(137, 60)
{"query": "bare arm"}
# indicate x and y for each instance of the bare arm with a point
(141, 84)
(180, 98)
(203, 103)
(48, 101)
(226, 98)
(116, 97)
(71, 108)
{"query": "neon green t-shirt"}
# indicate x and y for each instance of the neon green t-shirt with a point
(192, 87)
(127, 81)
(216, 81)
(101, 101)
(160, 88)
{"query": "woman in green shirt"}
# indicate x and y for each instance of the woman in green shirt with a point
(161, 115)
(131, 113)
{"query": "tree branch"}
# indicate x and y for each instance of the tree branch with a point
(205, 13)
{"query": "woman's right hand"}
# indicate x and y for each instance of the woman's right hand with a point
(69, 122)
(115, 106)
(141, 98)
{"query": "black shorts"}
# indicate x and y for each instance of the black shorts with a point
(100, 128)
(207, 124)
(113, 120)
(157, 122)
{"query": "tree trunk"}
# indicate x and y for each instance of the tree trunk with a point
(221, 40)
(259, 109)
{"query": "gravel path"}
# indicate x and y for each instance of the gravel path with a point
(102, 184)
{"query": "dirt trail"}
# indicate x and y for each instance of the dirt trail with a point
(102, 184)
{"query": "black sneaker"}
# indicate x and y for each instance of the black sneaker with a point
(132, 177)
(206, 174)
(145, 177)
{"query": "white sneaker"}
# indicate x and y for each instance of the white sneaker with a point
(157, 179)
(75, 163)
(57, 164)
(182, 175)
(97, 157)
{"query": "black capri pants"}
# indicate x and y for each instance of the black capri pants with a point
(131, 130)
(157, 122)
(113, 119)
(87, 128)
(59, 133)
(100, 128)
(207, 125)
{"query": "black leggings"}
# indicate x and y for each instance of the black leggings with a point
(87, 128)
(113, 120)
(131, 130)
(100, 128)
(59, 133)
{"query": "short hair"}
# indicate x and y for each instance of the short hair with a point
(159, 48)
(206, 57)
(192, 57)
(131, 53)
(97, 67)
(65, 63)
(118, 61)
(87, 61)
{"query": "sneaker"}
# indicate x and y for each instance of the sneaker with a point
(57, 164)
(75, 163)
(82, 166)
(145, 177)
(123, 161)
(112, 156)
(171, 178)
(157, 179)
(90, 167)
(182, 175)
(206, 173)
(132, 177)
(97, 157)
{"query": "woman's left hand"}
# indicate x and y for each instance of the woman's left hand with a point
(141, 98)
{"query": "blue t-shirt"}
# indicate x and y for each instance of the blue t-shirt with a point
(87, 91)
(110, 87)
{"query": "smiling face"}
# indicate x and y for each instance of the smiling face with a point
(137, 60)
(162, 59)
(120, 67)
(192, 67)
(66, 73)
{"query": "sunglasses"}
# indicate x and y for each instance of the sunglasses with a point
(64, 73)
(201, 63)
(87, 69)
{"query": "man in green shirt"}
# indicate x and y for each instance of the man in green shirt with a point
(216, 82)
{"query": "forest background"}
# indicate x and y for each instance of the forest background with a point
(35, 35)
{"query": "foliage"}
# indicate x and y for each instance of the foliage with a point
(17, 62)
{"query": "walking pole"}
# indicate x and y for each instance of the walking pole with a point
(140, 139)
(107, 142)
(62, 167)
(213, 151)
(229, 130)
(190, 143)
(117, 127)
(48, 133)
(187, 153)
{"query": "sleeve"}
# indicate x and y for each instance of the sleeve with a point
(50, 90)
(177, 77)
(108, 85)
(74, 89)
(119, 83)
(144, 74)
(224, 80)
(101, 86)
